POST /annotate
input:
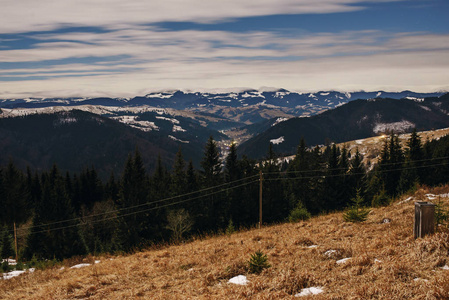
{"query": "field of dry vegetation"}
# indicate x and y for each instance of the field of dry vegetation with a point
(386, 262)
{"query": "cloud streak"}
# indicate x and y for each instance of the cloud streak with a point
(43, 15)
(117, 48)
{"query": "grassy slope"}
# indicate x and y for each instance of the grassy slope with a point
(201, 269)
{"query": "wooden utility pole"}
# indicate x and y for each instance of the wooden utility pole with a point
(15, 240)
(260, 198)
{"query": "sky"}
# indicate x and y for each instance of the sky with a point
(117, 48)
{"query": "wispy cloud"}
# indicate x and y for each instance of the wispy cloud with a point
(30, 15)
(118, 48)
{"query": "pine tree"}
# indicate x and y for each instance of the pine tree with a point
(7, 249)
(179, 180)
(61, 239)
(232, 173)
(211, 217)
(133, 193)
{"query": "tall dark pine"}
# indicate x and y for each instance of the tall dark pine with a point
(15, 195)
(275, 204)
(55, 232)
(414, 155)
(132, 196)
(210, 214)
(179, 179)
(232, 173)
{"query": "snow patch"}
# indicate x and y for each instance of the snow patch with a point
(425, 108)
(394, 126)
(177, 128)
(324, 94)
(378, 94)
(445, 267)
(415, 99)
(277, 141)
(240, 280)
(79, 266)
(12, 274)
(310, 291)
(178, 140)
(160, 95)
(279, 120)
(344, 260)
(174, 121)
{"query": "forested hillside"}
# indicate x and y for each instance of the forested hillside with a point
(356, 120)
(59, 215)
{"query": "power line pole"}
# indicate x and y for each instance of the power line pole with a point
(15, 240)
(260, 198)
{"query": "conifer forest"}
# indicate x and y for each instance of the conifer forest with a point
(59, 215)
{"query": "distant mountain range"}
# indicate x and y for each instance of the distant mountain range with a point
(79, 132)
(355, 120)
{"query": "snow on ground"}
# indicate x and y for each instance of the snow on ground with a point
(344, 260)
(174, 121)
(414, 99)
(79, 266)
(178, 140)
(445, 267)
(310, 291)
(277, 141)
(11, 262)
(395, 126)
(279, 120)
(330, 253)
(133, 122)
(240, 280)
(177, 128)
(12, 274)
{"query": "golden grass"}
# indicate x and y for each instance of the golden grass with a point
(386, 263)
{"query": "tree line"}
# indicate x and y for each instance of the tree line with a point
(62, 215)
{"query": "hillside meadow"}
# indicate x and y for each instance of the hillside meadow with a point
(385, 262)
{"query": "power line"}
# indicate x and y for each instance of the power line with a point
(339, 169)
(139, 205)
(137, 212)
(350, 174)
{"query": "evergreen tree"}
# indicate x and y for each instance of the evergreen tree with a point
(112, 189)
(232, 173)
(7, 249)
(211, 216)
(132, 195)
(179, 179)
(357, 176)
(55, 232)
(275, 203)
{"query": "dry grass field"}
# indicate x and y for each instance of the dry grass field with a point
(386, 262)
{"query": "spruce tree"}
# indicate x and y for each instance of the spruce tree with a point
(211, 217)
(60, 239)
(132, 195)
(179, 180)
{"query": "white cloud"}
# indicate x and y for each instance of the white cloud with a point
(31, 15)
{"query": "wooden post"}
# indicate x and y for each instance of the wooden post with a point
(260, 198)
(424, 219)
(15, 240)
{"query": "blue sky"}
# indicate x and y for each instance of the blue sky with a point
(124, 48)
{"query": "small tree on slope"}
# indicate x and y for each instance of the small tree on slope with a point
(356, 213)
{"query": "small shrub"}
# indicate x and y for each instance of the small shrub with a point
(258, 262)
(356, 212)
(299, 214)
(441, 213)
(230, 229)
(5, 267)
